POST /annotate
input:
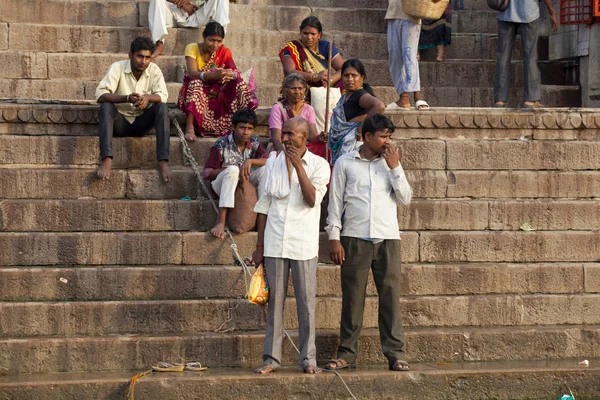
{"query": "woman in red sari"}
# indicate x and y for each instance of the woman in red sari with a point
(213, 89)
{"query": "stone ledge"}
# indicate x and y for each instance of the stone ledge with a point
(62, 112)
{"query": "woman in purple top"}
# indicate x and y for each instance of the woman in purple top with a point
(293, 105)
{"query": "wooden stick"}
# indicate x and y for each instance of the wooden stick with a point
(327, 100)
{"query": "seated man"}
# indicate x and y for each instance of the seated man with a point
(184, 13)
(231, 158)
(133, 97)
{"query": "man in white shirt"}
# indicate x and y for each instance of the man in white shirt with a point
(366, 186)
(163, 14)
(288, 238)
(133, 100)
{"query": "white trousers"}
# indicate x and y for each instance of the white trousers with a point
(226, 183)
(163, 15)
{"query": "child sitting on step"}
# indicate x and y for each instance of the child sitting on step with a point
(231, 159)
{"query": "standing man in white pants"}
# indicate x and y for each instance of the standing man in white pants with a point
(403, 44)
(163, 14)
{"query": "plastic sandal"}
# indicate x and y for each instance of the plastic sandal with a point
(168, 367)
(421, 105)
(194, 366)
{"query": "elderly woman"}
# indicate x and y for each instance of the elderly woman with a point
(356, 104)
(213, 89)
(309, 55)
(292, 105)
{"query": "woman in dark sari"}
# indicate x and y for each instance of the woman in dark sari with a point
(437, 33)
(309, 55)
(213, 89)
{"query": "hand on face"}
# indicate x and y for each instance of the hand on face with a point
(391, 155)
(293, 154)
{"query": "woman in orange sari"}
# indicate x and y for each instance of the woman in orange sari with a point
(213, 89)
(308, 56)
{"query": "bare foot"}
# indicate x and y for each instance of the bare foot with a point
(404, 101)
(312, 369)
(159, 50)
(165, 171)
(190, 135)
(441, 58)
(218, 230)
(265, 369)
(103, 171)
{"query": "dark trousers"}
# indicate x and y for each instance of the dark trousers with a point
(384, 259)
(113, 123)
(507, 33)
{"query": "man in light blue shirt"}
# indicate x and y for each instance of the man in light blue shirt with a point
(521, 17)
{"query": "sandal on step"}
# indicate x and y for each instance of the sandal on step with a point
(400, 365)
(421, 105)
(534, 105)
(338, 363)
(395, 107)
(168, 367)
(500, 104)
(195, 366)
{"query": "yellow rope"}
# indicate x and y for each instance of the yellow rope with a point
(131, 388)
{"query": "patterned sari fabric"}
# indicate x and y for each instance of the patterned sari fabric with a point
(306, 60)
(343, 134)
(213, 103)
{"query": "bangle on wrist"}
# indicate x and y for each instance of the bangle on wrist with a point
(202, 78)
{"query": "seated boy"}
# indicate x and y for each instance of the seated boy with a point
(231, 159)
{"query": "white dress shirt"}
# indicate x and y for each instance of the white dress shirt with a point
(363, 198)
(292, 229)
(120, 80)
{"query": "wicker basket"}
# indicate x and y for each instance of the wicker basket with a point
(424, 9)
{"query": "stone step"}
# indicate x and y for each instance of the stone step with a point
(74, 90)
(24, 183)
(18, 151)
(539, 380)
(442, 345)
(417, 154)
(177, 215)
(456, 4)
(175, 282)
(159, 317)
(142, 248)
(242, 42)
(268, 70)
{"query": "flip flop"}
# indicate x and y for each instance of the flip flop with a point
(421, 105)
(195, 366)
(499, 105)
(395, 107)
(536, 105)
(400, 366)
(168, 367)
(340, 363)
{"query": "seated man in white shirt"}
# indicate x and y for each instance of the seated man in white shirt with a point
(133, 100)
(288, 238)
(163, 14)
(366, 186)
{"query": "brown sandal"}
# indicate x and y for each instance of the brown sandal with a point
(338, 363)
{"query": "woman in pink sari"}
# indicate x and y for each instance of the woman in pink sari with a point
(213, 89)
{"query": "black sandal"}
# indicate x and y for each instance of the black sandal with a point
(340, 363)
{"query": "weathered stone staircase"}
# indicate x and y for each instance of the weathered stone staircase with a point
(101, 279)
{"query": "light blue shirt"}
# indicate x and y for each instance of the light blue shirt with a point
(521, 11)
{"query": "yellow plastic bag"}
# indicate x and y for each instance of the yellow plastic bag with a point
(258, 292)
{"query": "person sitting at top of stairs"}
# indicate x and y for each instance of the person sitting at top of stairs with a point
(231, 159)
(403, 42)
(163, 14)
(521, 17)
(133, 100)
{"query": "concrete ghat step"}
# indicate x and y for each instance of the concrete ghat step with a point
(145, 184)
(441, 345)
(144, 248)
(177, 215)
(191, 316)
(172, 282)
(141, 152)
(64, 89)
(417, 154)
(242, 42)
(268, 70)
(536, 380)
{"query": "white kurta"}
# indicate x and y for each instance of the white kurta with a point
(163, 15)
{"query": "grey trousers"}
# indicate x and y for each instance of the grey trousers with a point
(384, 259)
(304, 279)
(507, 32)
